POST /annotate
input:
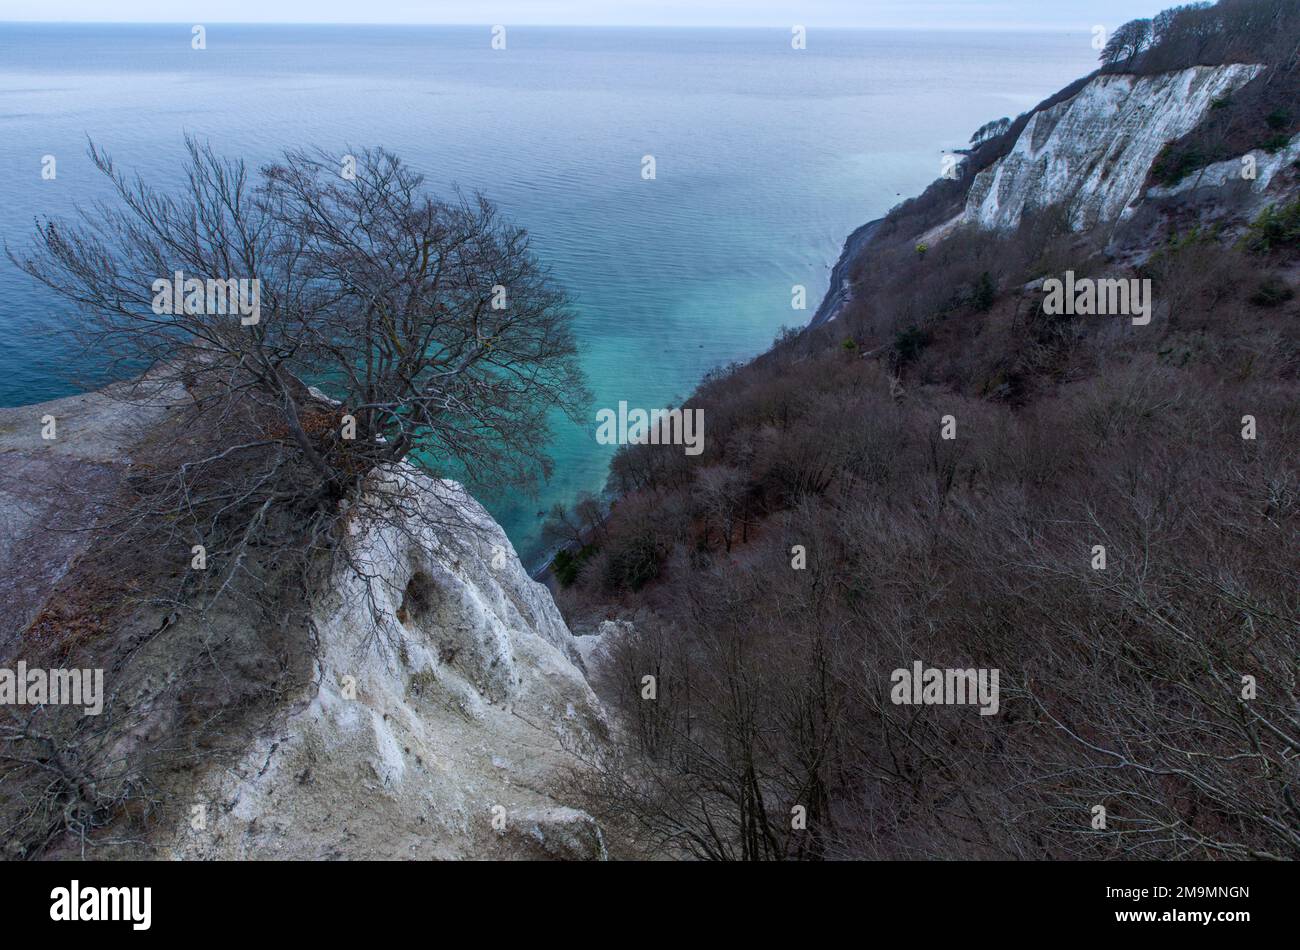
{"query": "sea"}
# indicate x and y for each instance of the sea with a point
(765, 156)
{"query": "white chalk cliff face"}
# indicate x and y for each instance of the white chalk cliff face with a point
(1094, 150)
(1259, 189)
(442, 723)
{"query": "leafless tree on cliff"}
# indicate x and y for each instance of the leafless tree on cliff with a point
(441, 347)
(433, 329)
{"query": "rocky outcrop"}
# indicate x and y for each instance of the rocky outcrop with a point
(1225, 196)
(1255, 178)
(594, 644)
(841, 289)
(1093, 151)
(446, 711)
(59, 461)
(431, 703)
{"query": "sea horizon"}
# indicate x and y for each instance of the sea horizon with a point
(767, 158)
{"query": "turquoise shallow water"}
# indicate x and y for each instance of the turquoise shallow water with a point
(766, 158)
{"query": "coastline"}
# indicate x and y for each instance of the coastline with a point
(836, 296)
(838, 293)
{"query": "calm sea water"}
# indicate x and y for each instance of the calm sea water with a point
(766, 158)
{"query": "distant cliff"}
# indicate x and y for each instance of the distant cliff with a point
(1088, 150)
(1094, 151)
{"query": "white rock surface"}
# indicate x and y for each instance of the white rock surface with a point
(1229, 173)
(453, 702)
(594, 646)
(1094, 150)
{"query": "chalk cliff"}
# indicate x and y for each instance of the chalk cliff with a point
(446, 711)
(439, 708)
(1092, 152)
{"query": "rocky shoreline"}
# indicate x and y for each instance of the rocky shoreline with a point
(839, 292)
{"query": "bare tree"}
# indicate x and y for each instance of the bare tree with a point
(578, 526)
(325, 337)
(989, 130)
(720, 496)
(1127, 42)
(430, 328)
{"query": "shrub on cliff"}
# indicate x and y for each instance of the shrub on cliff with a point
(1275, 228)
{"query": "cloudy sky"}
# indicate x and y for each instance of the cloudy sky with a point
(940, 14)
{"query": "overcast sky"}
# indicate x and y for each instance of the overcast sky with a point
(937, 14)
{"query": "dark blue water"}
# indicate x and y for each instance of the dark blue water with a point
(766, 158)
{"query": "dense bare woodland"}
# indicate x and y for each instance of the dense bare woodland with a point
(1125, 687)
